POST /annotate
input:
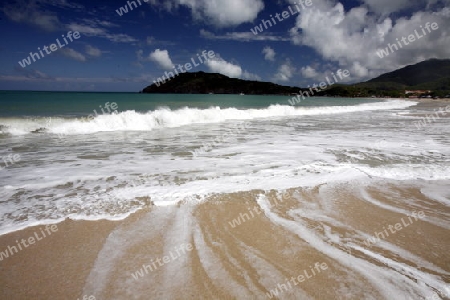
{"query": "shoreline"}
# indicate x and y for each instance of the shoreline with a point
(243, 244)
(99, 258)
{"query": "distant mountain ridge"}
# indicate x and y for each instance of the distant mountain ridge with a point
(432, 74)
(424, 73)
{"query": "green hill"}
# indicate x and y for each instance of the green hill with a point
(205, 83)
(427, 73)
(433, 75)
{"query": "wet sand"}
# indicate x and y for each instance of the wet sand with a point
(54, 267)
(282, 239)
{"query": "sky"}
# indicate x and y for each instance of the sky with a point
(299, 44)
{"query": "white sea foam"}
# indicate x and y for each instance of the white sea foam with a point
(114, 173)
(166, 118)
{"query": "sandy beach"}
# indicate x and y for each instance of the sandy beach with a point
(98, 258)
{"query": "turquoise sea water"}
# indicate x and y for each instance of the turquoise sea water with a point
(73, 104)
(73, 163)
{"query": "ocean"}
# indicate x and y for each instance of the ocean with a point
(260, 189)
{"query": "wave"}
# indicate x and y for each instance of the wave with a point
(165, 118)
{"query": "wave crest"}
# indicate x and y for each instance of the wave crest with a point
(165, 118)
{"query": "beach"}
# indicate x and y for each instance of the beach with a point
(319, 201)
(268, 255)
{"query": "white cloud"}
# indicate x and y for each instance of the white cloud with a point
(152, 41)
(162, 58)
(358, 70)
(108, 24)
(285, 72)
(250, 76)
(29, 73)
(245, 36)
(63, 4)
(269, 53)
(72, 54)
(92, 51)
(357, 34)
(37, 13)
(219, 12)
(29, 12)
(90, 30)
(309, 72)
(218, 65)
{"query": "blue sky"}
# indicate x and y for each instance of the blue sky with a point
(128, 52)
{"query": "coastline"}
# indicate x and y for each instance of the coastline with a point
(427, 99)
(408, 99)
(337, 227)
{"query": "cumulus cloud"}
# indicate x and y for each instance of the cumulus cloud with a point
(250, 76)
(162, 58)
(219, 12)
(72, 54)
(269, 53)
(309, 72)
(386, 7)
(219, 65)
(359, 33)
(93, 51)
(285, 72)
